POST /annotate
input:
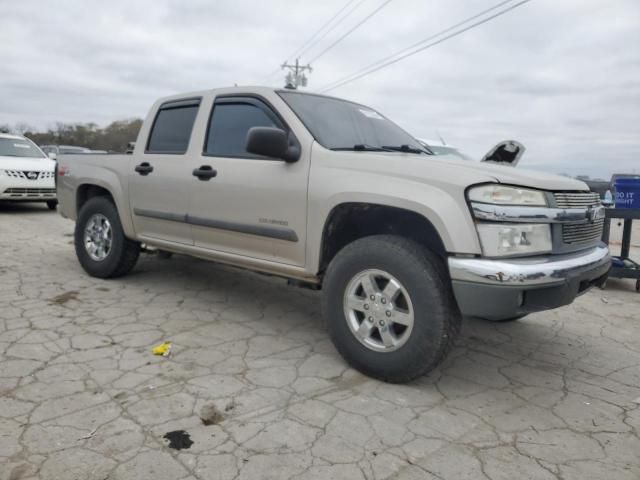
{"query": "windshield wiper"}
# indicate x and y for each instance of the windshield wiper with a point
(405, 148)
(361, 147)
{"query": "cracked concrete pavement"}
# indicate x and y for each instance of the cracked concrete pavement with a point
(555, 395)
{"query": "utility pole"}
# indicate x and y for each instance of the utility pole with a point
(295, 77)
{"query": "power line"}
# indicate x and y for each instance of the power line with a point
(421, 42)
(313, 40)
(305, 48)
(350, 31)
(265, 79)
(369, 71)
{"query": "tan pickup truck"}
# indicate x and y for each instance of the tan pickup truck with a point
(331, 194)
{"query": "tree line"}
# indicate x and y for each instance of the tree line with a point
(112, 138)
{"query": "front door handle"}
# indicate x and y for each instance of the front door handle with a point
(144, 168)
(205, 172)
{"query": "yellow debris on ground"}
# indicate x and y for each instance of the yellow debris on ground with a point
(162, 349)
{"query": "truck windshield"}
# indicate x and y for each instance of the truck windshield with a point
(18, 147)
(341, 125)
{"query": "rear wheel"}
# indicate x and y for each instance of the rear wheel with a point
(389, 308)
(101, 246)
(52, 204)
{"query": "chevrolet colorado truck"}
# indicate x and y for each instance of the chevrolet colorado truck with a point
(331, 194)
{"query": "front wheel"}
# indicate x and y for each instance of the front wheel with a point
(101, 246)
(389, 308)
(52, 204)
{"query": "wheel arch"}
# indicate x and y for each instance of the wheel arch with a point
(89, 190)
(86, 191)
(350, 221)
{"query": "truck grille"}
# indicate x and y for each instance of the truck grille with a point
(584, 232)
(577, 200)
(29, 192)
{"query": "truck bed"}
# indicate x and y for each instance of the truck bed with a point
(94, 169)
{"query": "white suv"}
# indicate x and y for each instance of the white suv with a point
(26, 173)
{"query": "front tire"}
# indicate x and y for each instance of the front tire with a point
(52, 204)
(389, 308)
(101, 246)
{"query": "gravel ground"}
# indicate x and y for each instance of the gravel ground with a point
(253, 388)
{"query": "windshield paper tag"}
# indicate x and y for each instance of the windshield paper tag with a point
(371, 114)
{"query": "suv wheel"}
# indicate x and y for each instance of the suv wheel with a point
(101, 246)
(389, 308)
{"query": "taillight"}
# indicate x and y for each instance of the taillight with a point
(60, 171)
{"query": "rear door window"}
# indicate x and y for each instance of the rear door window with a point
(172, 127)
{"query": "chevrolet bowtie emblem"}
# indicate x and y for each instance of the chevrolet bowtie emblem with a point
(594, 214)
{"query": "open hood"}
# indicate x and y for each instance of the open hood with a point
(507, 153)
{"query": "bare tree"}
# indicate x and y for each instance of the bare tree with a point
(22, 127)
(113, 138)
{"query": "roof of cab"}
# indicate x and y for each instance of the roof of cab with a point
(240, 90)
(220, 91)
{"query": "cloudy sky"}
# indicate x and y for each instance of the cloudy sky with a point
(562, 77)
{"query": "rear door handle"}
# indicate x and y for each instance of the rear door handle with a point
(144, 168)
(205, 172)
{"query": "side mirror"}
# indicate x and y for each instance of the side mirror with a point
(52, 155)
(271, 142)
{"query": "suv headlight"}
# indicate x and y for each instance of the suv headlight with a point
(511, 239)
(504, 195)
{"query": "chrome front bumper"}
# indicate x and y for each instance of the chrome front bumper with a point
(533, 271)
(502, 289)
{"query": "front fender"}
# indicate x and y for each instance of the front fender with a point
(449, 216)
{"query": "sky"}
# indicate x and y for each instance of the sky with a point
(561, 77)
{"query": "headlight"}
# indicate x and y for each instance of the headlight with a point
(505, 195)
(500, 239)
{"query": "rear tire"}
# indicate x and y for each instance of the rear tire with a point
(101, 246)
(423, 294)
(52, 204)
